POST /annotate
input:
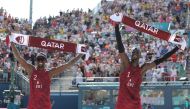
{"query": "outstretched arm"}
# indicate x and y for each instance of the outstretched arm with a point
(148, 66)
(28, 67)
(124, 58)
(60, 69)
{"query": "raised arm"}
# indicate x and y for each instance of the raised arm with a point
(28, 67)
(148, 66)
(60, 69)
(124, 58)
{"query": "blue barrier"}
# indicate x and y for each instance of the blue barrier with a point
(167, 95)
(60, 101)
(3, 86)
(160, 95)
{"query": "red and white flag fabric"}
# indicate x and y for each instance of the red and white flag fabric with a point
(45, 43)
(143, 27)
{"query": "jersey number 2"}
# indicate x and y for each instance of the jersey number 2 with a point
(35, 76)
(128, 74)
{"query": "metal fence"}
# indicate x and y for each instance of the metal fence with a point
(22, 82)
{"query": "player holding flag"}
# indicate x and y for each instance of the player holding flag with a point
(39, 77)
(132, 74)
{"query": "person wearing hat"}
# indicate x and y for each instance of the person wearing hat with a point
(40, 78)
(132, 73)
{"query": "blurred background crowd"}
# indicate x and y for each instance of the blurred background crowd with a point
(93, 28)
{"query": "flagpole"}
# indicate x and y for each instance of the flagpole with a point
(31, 12)
(31, 9)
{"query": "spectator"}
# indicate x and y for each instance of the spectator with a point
(5, 73)
(79, 76)
(94, 30)
(187, 103)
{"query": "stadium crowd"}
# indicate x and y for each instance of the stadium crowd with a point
(94, 30)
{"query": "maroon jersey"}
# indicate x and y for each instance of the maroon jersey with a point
(129, 89)
(39, 90)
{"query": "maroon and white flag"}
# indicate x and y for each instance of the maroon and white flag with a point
(45, 43)
(143, 27)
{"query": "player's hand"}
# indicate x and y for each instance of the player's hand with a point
(179, 41)
(116, 18)
(9, 39)
(183, 44)
(83, 49)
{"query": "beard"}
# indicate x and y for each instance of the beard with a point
(135, 59)
(41, 65)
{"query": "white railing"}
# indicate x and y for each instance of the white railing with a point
(22, 82)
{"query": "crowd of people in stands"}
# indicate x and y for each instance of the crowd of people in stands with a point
(94, 30)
